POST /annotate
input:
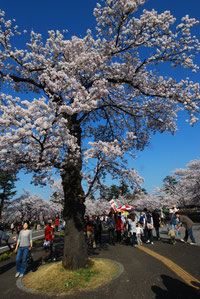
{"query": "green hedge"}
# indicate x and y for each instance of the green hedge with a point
(6, 255)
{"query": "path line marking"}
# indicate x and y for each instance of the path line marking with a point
(187, 277)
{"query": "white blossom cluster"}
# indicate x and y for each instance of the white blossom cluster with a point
(30, 207)
(96, 207)
(186, 191)
(149, 201)
(57, 195)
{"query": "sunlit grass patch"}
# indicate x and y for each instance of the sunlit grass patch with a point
(6, 255)
(38, 242)
(59, 234)
(54, 279)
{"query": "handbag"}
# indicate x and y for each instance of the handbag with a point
(47, 243)
(29, 258)
(149, 226)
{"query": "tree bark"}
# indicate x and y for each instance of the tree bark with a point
(75, 248)
(1, 206)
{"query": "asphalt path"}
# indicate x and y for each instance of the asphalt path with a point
(144, 276)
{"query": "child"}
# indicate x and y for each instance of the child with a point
(139, 232)
(172, 233)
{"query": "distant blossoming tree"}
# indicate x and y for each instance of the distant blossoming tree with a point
(167, 193)
(30, 207)
(104, 89)
(188, 187)
(57, 195)
(92, 206)
(186, 190)
(150, 201)
(97, 207)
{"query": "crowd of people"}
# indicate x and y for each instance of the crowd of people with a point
(135, 229)
(130, 228)
(16, 226)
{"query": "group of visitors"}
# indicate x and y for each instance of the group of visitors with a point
(133, 229)
(136, 229)
(16, 226)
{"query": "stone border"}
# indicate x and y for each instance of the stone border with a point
(22, 287)
(121, 270)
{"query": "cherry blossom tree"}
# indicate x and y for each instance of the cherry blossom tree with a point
(29, 207)
(57, 195)
(167, 198)
(167, 193)
(96, 207)
(92, 99)
(150, 201)
(184, 189)
(188, 187)
(92, 206)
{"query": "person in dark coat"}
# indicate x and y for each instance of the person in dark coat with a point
(98, 230)
(156, 223)
(111, 228)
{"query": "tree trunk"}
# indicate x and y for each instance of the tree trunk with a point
(1, 206)
(75, 248)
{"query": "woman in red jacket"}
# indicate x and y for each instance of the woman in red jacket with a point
(48, 242)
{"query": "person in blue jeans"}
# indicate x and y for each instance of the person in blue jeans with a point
(174, 221)
(24, 244)
(187, 223)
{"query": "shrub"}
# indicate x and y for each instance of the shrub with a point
(6, 255)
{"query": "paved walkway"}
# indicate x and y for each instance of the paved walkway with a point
(144, 276)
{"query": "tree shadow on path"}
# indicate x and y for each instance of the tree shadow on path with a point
(175, 289)
(7, 267)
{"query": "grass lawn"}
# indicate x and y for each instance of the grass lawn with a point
(54, 279)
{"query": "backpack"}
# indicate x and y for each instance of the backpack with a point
(141, 219)
(148, 218)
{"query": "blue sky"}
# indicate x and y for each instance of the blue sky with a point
(166, 152)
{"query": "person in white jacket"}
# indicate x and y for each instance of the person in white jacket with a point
(132, 222)
(139, 232)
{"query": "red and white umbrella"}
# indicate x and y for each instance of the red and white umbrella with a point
(125, 208)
